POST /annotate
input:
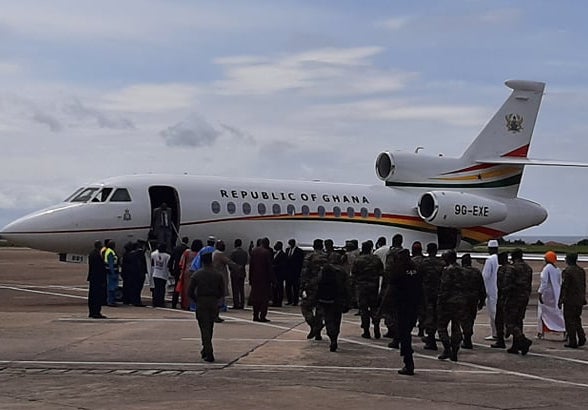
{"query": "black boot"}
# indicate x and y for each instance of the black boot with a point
(516, 346)
(377, 333)
(446, 351)
(333, 346)
(581, 340)
(525, 345)
(454, 350)
(572, 342)
(394, 344)
(467, 342)
(366, 334)
(408, 369)
(430, 343)
(499, 344)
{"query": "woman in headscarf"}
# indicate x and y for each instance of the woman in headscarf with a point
(549, 315)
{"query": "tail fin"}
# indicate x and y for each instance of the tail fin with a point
(509, 132)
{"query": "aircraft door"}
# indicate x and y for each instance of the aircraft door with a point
(159, 195)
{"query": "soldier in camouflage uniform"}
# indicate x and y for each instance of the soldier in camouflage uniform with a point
(388, 312)
(504, 268)
(431, 268)
(334, 298)
(475, 298)
(450, 306)
(309, 287)
(517, 285)
(417, 259)
(332, 255)
(366, 271)
(573, 297)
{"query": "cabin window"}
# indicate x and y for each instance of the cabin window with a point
(102, 195)
(261, 209)
(321, 211)
(231, 208)
(85, 195)
(364, 213)
(337, 212)
(350, 212)
(246, 208)
(305, 210)
(276, 209)
(121, 195)
(77, 191)
(377, 213)
(291, 210)
(215, 207)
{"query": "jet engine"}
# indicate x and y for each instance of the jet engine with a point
(452, 209)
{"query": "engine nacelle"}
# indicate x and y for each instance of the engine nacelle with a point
(452, 209)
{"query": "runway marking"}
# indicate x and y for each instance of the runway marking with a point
(121, 319)
(197, 339)
(460, 363)
(43, 292)
(105, 363)
(175, 365)
(547, 356)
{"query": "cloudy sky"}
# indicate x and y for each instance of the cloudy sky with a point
(281, 89)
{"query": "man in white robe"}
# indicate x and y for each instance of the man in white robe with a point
(549, 316)
(489, 273)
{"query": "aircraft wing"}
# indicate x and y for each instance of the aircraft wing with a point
(531, 161)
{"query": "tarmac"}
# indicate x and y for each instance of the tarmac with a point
(52, 356)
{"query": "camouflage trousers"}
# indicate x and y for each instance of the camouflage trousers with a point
(368, 308)
(312, 315)
(450, 312)
(430, 314)
(469, 316)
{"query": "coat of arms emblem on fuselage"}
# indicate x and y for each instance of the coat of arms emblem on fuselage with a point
(514, 122)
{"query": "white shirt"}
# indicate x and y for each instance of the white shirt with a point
(381, 253)
(490, 274)
(159, 263)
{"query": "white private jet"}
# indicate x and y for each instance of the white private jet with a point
(451, 201)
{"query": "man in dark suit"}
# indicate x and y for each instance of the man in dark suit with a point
(280, 266)
(241, 258)
(295, 260)
(97, 282)
(161, 224)
(261, 278)
(206, 288)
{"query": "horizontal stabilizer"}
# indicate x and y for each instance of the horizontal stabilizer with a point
(531, 161)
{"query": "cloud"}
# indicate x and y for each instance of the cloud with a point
(79, 111)
(320, 72)
(395, 110)
(151, 97)
(193, 132)
(238, 134)
(46, 119)
(393, 23)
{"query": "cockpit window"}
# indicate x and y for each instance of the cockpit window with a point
(77, 191)
(102, 196)
(121, 195)
(85, 195)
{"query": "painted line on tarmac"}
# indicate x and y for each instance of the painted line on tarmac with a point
(105, 363)
(472, 365)
(121, 319)
(547, 356)
(175, 365)
(231, 339)
(459, 363)
(360, 368)
(44, 292)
